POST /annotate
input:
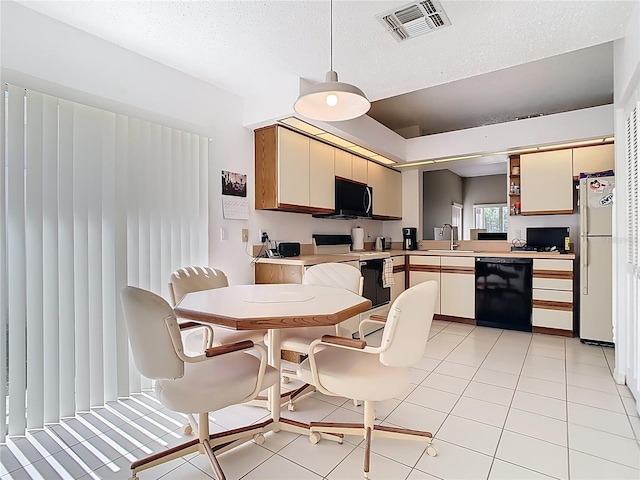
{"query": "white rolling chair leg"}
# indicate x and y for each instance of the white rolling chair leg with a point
(357, 403)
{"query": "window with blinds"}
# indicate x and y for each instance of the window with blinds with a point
(91, 201)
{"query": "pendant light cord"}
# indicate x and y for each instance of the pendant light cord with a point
(331, 24)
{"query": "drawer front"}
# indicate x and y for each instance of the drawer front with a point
(553, 283)
(546, 264)
(398, 260)
(553, 295)
(424, 260)
(552, 319)
(458, 261)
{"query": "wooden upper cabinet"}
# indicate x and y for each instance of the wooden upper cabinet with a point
(593, 159)
(343, 164)
(546, 183)
(322, 182)
(293, 168)
(359, 169)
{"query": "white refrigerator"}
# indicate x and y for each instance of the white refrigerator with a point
(596, 209)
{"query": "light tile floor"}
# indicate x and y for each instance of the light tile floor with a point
(502, 405)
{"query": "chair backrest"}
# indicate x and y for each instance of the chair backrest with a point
(408, 323)
(334, 275)
(151, 345)
(195, 279)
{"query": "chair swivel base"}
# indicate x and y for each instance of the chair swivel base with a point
(320, 429)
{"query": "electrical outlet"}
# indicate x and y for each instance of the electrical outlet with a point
(263, 236)
(518, 234)
(245, 235)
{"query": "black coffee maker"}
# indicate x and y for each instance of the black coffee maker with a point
(409, 238)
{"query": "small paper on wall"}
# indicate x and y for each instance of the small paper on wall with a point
(235, 205)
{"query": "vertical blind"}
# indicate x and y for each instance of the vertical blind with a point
(91, 201)
(633, 233)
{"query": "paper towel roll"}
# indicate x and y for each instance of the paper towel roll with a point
(357, 238)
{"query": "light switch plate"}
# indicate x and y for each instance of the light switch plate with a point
(518, 234)
(224, 234)
(245, 235)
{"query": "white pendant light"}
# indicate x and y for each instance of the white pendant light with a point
(331, 100)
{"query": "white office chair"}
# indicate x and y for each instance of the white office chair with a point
(220, 377)
(195, 279)
(374, 373)
(299, 339)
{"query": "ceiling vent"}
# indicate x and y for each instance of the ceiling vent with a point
(414, 19)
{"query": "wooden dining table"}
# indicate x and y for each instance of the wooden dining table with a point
(273, 307)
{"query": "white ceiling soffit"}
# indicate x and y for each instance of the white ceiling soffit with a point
(249, 47)
(476, 167)
(414, 19)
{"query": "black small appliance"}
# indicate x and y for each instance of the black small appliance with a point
(409, 238)
(545, 239)
(352, 200)
(289, 249)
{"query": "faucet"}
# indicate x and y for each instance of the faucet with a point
(452, 245)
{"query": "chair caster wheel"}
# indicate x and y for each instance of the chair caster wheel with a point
(188, 430)
(357, 403)
(314, 437)
(431, 451)
(258, 438)
(133, 477)
(285, 380)
(375, 415)
(291, 407)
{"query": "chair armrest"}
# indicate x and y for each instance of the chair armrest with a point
(208, 334)
(375, 319)
(344, 342)
(232, 347)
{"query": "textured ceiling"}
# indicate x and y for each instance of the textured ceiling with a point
(247, 47)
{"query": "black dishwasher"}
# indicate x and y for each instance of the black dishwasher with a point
(504, 292)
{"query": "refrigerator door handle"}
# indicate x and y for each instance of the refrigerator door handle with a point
(584, 248)
(584, 200)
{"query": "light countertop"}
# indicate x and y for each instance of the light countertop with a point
(305, 260)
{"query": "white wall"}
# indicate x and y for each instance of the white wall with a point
(596, 122)
(626, 91)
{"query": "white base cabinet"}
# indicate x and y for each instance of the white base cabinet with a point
(458, 287)
(422, 269)
(553, 294)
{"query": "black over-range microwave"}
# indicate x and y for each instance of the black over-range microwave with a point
(352, 200)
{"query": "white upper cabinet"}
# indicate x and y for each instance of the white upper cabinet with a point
(546, 182)
(293, 168)
(321, 175)
(394, 197)
(359, 169)
(593, 159)
(343, 164)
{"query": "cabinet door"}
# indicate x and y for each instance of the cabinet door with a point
(377, 176)
(418, 277)
(343, 164)
(293, 168)
(458, 295)
(359, 169)
(593, 159)
(394, 194)
(458, 282)
(546, 182)
(321, 175)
